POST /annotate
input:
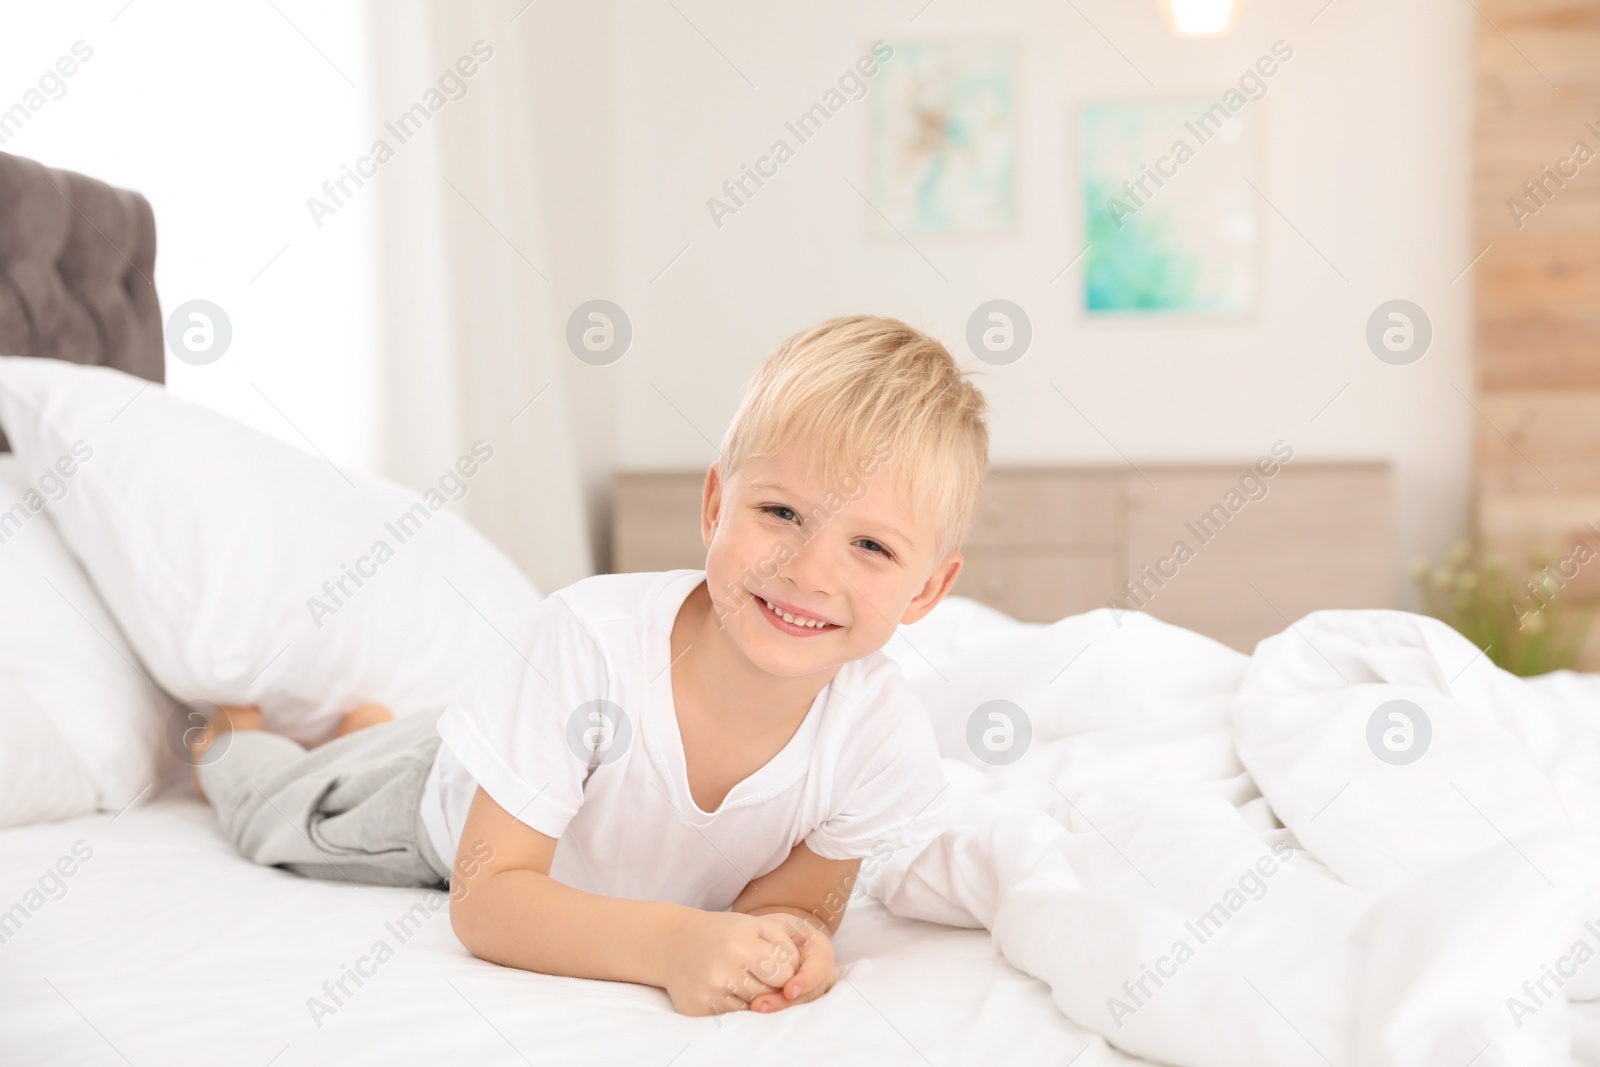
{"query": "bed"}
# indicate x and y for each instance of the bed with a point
(1360, 843)
(163, 946)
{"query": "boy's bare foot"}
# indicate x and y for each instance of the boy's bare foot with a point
(364, 716)
(226, 718)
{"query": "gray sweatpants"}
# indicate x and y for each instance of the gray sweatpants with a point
(349, 809)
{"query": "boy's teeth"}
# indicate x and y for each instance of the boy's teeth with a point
(794, 620)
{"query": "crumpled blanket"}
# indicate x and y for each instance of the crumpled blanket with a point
(1363, 844)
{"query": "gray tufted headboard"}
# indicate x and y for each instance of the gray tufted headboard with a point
(77, 262)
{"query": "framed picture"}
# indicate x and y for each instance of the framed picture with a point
(1169, 215)
(944, 140)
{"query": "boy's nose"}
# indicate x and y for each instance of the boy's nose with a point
(811, 569)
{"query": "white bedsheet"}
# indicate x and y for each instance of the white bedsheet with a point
(165, 948)
(1419, 899)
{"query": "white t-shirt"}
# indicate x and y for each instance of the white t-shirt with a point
(572, 729)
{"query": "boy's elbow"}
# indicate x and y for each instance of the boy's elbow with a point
(466, 920)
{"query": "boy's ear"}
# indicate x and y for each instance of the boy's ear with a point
(934, 589)
(711, 502)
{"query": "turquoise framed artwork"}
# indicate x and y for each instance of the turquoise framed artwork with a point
(1169, 215)
(944, 140)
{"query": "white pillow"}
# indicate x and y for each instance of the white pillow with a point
(247, 571)
(81, 723)
(41, 778)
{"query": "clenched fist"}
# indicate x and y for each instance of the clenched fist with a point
(719, 961)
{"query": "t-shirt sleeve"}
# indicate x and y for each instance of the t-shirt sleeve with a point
(892, 793)
(510, 729)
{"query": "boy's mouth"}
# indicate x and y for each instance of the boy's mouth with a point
(791, 621)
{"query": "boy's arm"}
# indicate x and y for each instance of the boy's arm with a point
(806, 885)
(508, 910)
(505, 908)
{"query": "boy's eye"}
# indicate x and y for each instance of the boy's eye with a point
(873, 546)
(779, 511)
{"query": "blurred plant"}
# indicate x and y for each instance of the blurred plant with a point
(1519, 620)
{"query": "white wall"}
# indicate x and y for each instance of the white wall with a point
(572, 57)
(229, 119)
(226, 117)
(1365, 150)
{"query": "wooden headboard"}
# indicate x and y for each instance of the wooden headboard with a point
(1053, 541)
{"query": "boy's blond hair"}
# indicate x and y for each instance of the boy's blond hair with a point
(853, 388)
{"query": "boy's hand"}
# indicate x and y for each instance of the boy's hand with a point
(816, 973)
(718, 961)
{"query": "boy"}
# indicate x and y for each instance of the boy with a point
(714, 751)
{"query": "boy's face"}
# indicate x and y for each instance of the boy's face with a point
(854, 556)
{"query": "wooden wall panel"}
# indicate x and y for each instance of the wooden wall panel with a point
(1538, 353)
(1544, 16)
(1518, 524)
(1545, 276)
(1540, 441)
(1538, 287)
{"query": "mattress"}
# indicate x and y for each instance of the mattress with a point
(141, 938)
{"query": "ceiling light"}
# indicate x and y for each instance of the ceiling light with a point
(1200, 18)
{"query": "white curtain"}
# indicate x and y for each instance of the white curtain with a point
(469, 334)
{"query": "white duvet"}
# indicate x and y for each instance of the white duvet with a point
(1229, 860)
